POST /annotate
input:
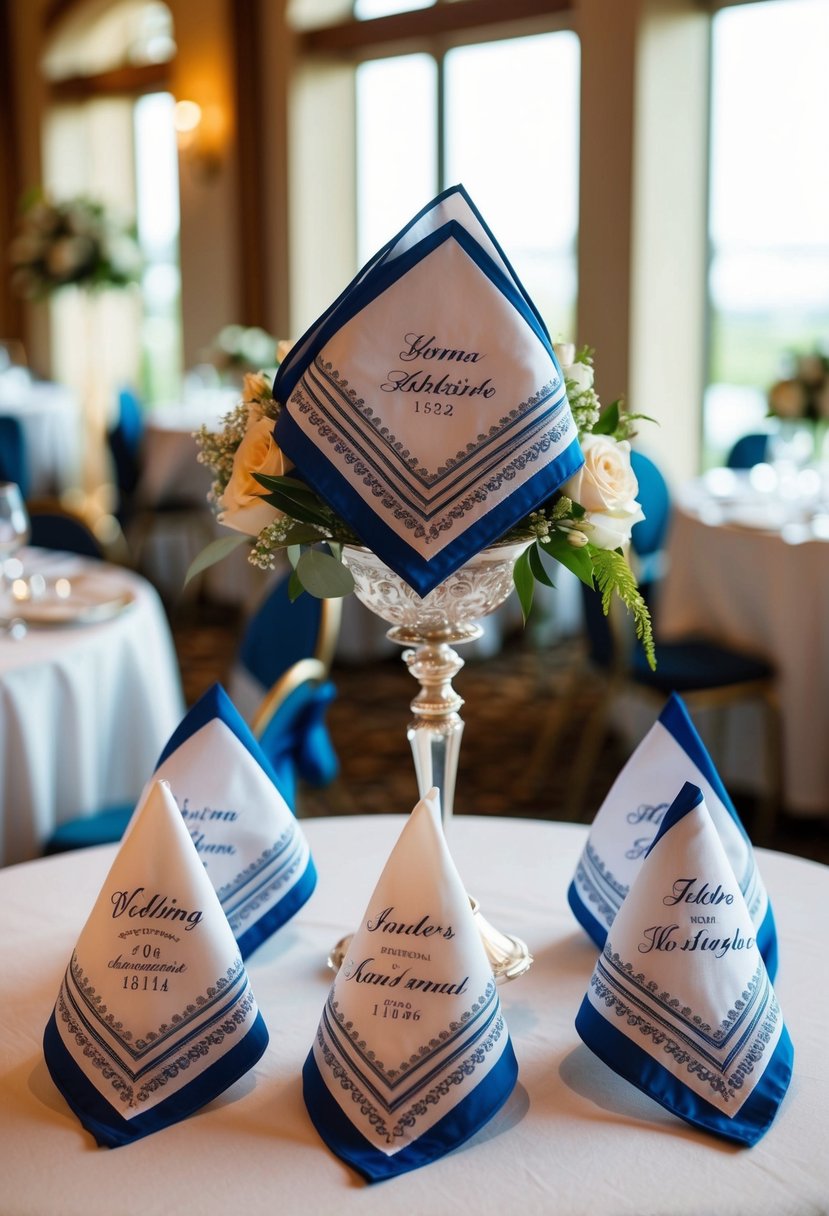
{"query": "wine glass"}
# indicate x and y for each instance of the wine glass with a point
(14, 527)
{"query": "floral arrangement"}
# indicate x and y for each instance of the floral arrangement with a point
(804, 392)
(240, 348)
(73, 242)
(584, 526)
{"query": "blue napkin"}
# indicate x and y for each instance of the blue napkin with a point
(247, 837)
(426, 405)
(670, 754)
(155, 1016)
(412, 1055)
(680, 1002)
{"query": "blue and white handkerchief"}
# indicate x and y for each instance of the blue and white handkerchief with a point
(426, 405)
(246, 835)
(680, 1002)
(626, 823)
(412, 1055)
(155, 1016)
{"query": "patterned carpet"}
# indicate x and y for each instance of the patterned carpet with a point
(509, 699)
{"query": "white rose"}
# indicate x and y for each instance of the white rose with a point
(606, 487)
(581, 374)
(243, 507)
(565, 353)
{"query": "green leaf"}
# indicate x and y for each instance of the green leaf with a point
(538, 568)
(214, 552)
(323, 576)
(608, 420)
(294, 554)
(295, 587)
(302, 534)
(614, 575)
(296, 509)
(577, 560)
(524, 581)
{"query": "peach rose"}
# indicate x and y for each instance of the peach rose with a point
(242, 505)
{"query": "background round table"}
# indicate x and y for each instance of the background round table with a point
(85, 709)
(572, 1139)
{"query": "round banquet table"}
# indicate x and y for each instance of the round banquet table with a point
(753, 569)
(85, 708)
(49, 415)
(573, 1138)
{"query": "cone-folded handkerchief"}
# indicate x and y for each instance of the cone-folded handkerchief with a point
(155, 1016)
(670, 754)
(426, 405)
(412, 1055)
(246, 835)
(680, 1002)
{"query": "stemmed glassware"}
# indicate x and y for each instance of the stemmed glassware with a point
(14, 532)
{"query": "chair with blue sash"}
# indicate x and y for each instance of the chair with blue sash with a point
(748, 451)
(288, 648)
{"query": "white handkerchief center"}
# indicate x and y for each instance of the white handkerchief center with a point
(413, 1022)
(682, 969)
(155, 992)
(436, 397)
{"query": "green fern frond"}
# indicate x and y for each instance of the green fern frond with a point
(614, 576)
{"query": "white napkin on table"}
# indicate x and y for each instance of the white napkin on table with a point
(155, 1016)
(247, 837)
(412, 1055)
(426, 405)
(680, 1001)
(670, 754)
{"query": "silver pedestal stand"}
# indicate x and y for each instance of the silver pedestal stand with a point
(429, 628)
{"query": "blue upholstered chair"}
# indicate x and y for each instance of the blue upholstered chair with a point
(14, 462)
(748, 451)
(53, 526)
(707, 673)
(288, 648)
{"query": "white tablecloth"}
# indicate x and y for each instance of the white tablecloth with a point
(84, 710)
(765, 589)
(572, 1139)
(50, 417)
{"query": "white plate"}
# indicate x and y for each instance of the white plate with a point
(85, 601)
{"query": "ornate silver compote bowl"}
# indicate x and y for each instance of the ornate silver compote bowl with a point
(430, 628)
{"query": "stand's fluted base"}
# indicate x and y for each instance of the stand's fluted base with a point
(508, 956)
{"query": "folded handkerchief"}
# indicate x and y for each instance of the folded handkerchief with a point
(412, 1055)
(247, 837)
(680, 1002)
(426, 405)
(155, 1015)
(670, 754)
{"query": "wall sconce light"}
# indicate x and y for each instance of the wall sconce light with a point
(199, 133)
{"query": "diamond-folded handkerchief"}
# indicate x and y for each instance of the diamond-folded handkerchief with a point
(680, 1002)
(412, 1055)
(246, 835)
(426, 405)
(670, 754)
(155, 1016)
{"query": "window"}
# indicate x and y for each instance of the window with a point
(507, 129)
(769, 217)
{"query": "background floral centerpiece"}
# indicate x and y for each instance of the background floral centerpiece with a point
(239, 349)
(802, 393)
(73, 242)
(585, 526)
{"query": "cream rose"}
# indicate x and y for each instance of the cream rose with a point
(242, 506)
(606, 487)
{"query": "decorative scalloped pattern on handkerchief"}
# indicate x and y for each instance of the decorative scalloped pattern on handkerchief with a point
(412, 1055)
(426, 406)
(155, 1016)
(246, 835)
(670, 754)
(680, 1001)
